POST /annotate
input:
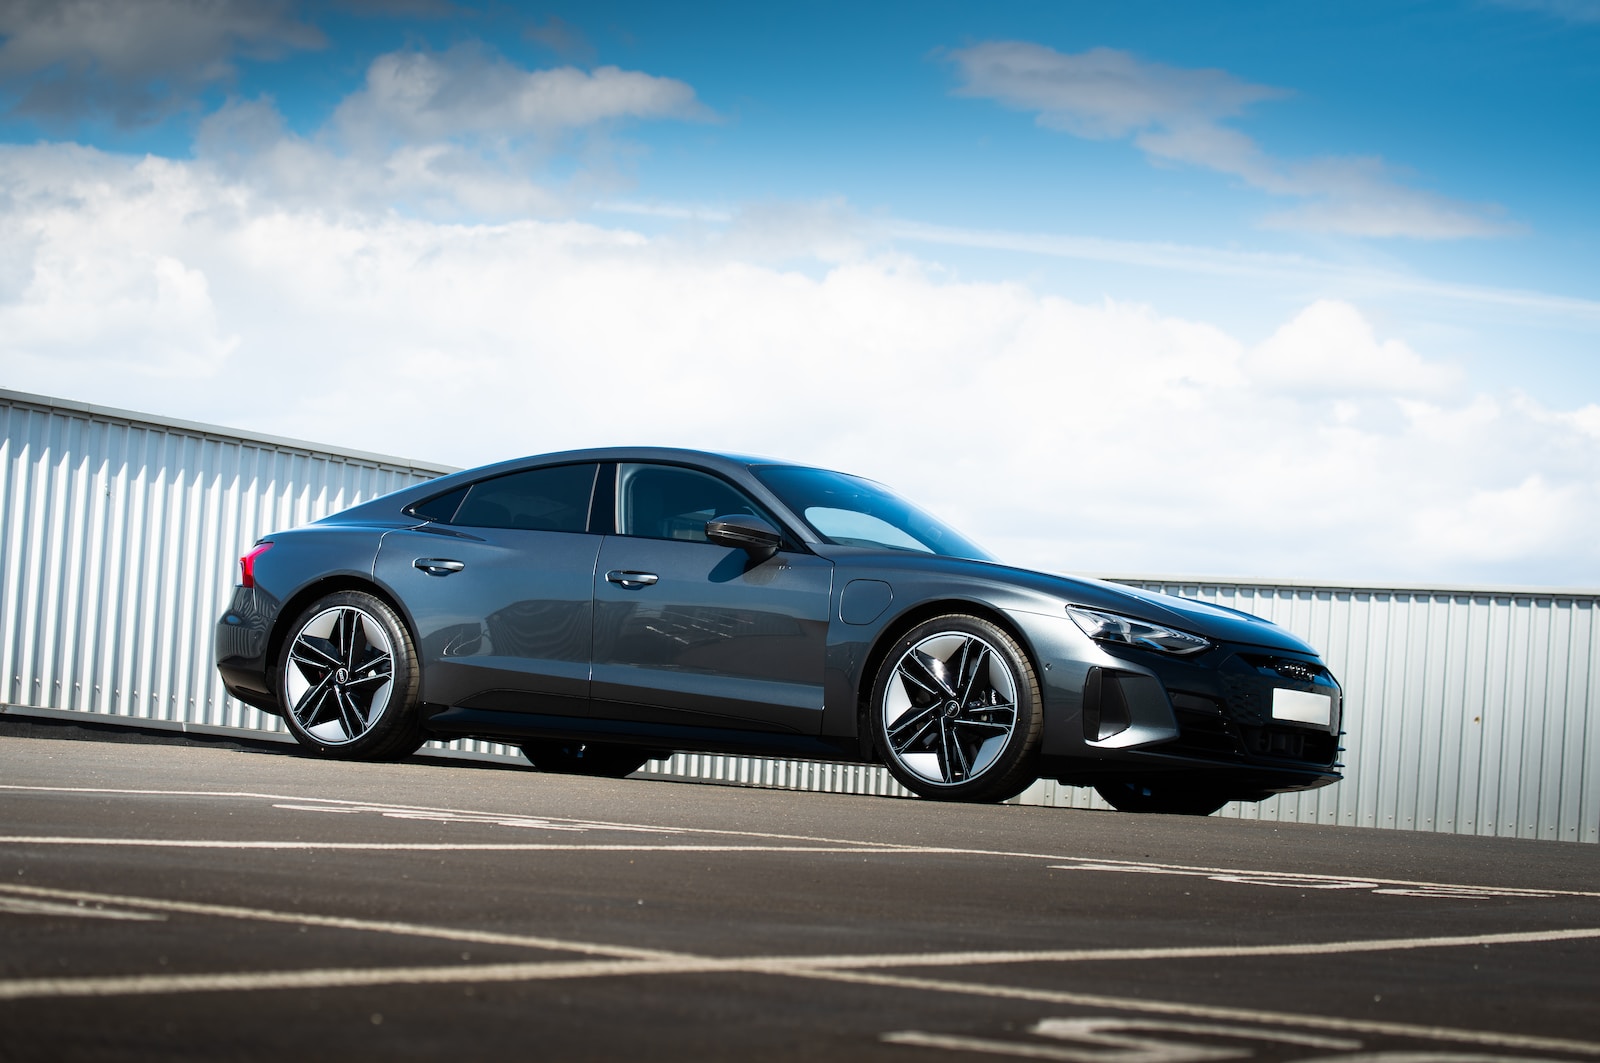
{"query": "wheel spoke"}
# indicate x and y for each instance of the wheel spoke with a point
(374, 676)
(309, 650)
(921, 721)
(984, 726)
(928, 673)
(950, 760)
(309, 710)
(350, 717)
(974, 655)
(355, 639)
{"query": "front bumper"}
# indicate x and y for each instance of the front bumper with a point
(1212, 721)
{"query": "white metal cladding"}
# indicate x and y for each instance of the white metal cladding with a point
(1469, 711)
(119, 535)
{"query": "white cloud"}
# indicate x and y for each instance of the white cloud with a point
(1329, 349)
(463, 93)
(1090, 437)
(134, 59)
(1176, 115)
(1102, 93)
(453, 136)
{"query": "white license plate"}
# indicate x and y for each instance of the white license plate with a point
(1302, 706)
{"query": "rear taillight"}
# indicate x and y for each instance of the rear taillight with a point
(247, 565)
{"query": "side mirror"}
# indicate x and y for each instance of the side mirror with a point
(751, 534)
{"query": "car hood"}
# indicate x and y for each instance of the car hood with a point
(1214, 622)
(1202, 618)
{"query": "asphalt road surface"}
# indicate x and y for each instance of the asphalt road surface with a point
(179, 898)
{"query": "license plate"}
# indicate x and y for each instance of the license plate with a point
(1302, 706)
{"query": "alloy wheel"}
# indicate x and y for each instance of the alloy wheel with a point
(949, 708)
(339, 675)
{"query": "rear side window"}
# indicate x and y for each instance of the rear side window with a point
(550, 499)
(440, 508)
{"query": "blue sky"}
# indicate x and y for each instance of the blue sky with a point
(1125, 259)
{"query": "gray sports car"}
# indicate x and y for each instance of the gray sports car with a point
(602, 608)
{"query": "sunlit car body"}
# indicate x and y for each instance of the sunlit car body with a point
(600, 608)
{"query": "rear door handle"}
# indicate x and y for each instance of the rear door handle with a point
(631, 580)
(438, 566)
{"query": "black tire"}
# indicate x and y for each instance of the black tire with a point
(348, 680)
(1165, 798)
(955, 711)
(587, 758)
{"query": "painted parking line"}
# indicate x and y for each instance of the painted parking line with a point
(457, 815)
(79, 910)
(1102, 1039)
(448, 847)
(1245, 876)
(886, 960)
(1332, 1023)
(1305, 881)
(332, 922)
(865, 969)
(636, 963)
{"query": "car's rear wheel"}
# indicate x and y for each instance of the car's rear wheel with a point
(348, 680)
(1170, 798)
(955, 711)
(587, 758)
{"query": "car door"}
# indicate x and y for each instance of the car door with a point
(499, 586)
(688, 632)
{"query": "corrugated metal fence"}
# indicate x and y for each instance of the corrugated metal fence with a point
(1469, 711)
(118, 535)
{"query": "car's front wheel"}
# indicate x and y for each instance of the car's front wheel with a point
(955, 711)
(348, 680)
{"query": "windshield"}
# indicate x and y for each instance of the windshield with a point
(850, 511)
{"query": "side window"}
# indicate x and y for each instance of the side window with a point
(440, 508)
(666, 502)
(550, 499)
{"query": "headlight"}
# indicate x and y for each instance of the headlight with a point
(1109, 627)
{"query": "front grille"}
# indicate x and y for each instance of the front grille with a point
(1206, 728)
(1291, 743)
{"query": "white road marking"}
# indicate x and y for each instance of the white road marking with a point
(898, 960)
(1217, 952)
(446, 847)
(1110, 1040)
(477, 937)
(335, 978)
(625, 961)
(1304, 881)
(21, 906)
(631, 961)
(1225, 1014)
(345, 978)
(252, 795)
(475, 818)
(1392, 887)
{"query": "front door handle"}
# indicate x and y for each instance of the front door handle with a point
(438, 566)
(631, 580)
